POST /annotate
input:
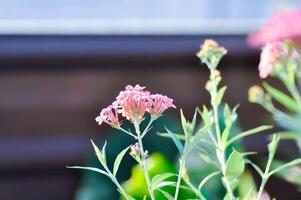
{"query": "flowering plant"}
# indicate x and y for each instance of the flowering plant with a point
(212, 143)
(281, 61)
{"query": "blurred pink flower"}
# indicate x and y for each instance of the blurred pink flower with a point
(281, 26)
(160, 103)
(109, 115)
(271, 54)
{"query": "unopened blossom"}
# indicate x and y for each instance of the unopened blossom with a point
(211, 48)
(135, 150)
(133, 102)
(109, 115)
(272, 54)
(255, 93)
(160, 103)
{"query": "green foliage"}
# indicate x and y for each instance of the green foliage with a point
(211, 138)
(118, 160)
(235, 165)
(282, 98)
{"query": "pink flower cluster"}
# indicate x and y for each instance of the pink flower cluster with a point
(271, 54)
(133, 103)
(281, 26)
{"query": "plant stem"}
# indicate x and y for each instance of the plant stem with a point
(220, 147)
(195, 190)
(182, 165)
(143, 161)
(265, 176)
(113, 178)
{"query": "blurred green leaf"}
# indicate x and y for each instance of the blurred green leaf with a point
(180, 137)
(282, 98)
(220, 95)
(286, 165)
(249, 132)
(207, 178)
(160, 178)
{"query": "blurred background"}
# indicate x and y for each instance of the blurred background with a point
(61, 61)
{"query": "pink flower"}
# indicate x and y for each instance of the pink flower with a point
(133, 102)
(271, 54)
(109, 115)
(159, 104)
(281, 26)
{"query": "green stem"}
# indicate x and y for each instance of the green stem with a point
(115, 181)
(143, 162)
(220, 147)
(265, 176)
(195, 190)
(182, 165)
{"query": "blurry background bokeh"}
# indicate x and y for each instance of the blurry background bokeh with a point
(61, 61)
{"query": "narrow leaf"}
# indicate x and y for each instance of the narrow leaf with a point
(118, 160)
(176, 140)
(166, 195)
(207, 178)
(160, 178)
(100, 155)
(249, 132)
(164, 183)
(289, 164)
(220, 95)
(180, 137)
(90, 169)
(282, 98)
(256, 167)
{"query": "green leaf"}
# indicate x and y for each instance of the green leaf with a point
(290, 174)
(166, 195)
(282, 98)
(160, 178)
(165, 183)
(220, 95)
(180, 137)
(187, 126)
(288, 135)
(289, 164)
(90, 169)
(227, 197)
(249, 195)
(183, 121)
(104, 150)
(256, 167)
(272, 146)
(176, 140)
(207, 178)
(100, 155)
(235, 165)
(205, 114)
(248, 132)
(118, 160)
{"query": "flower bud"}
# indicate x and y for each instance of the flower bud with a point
(211, 52)
(255, 93)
